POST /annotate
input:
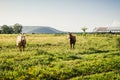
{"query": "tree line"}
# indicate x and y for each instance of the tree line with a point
(15, 29)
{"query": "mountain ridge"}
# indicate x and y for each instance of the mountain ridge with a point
(40, 29)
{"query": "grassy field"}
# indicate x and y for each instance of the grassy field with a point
(48, 57)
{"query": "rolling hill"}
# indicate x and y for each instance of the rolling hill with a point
(40, 29)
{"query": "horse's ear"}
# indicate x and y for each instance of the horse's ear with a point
(69, 33)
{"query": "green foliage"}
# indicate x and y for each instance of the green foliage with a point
(118, 43)
(17, 28)
(48, 57)
(6, 29)
(84, 31)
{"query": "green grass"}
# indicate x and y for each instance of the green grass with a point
(48, 57)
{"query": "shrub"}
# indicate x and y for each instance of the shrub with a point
(118, 43)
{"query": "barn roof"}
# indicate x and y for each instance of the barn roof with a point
(107, 29)
(114, 28)
(101, 29)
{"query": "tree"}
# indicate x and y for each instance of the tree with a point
(0, 31)
(10, 31)
(17, 28)
(84, 30)
(6, 29)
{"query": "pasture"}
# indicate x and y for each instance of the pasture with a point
(49, 57)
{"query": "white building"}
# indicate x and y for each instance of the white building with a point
(107, 29)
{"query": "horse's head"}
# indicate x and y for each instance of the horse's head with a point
(70, 34)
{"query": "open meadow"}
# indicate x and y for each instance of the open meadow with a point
(49, 57)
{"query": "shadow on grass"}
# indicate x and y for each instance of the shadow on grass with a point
(93, 51)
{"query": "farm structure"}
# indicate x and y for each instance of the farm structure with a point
(107, 29)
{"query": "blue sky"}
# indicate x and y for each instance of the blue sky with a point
(66, 15)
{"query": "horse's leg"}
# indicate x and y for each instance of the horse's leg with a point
(20, 48)
(23, 47)
(73, 45)
(23, 44)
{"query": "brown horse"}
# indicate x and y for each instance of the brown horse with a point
(21, 42)
(72, 40)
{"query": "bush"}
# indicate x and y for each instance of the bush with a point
(118, 43)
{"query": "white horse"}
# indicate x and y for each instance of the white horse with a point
(21, 42)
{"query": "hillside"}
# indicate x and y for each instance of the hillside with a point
(40, 29)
